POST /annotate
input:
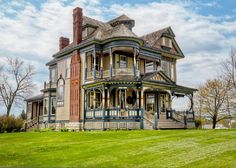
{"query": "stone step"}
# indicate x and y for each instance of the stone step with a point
(170, 124)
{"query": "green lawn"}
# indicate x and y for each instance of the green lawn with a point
(167, 148)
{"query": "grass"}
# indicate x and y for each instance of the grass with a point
(167, 148)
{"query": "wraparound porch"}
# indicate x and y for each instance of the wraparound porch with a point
(132, 102)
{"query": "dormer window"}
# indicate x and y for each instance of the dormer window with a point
(88, 30)
(167, 42)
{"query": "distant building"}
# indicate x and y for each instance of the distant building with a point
(109, 78)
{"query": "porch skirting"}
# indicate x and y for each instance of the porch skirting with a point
(117, 125)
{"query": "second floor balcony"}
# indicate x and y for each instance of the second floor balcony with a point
(118, 61)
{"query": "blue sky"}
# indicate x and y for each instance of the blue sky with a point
(205, 30)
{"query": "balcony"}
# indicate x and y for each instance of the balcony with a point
(115, 72)
(50, 85)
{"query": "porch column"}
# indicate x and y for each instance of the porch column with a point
(103, 98)
(137, 101)
(101, 68)
(111, 61)
(142, 108)
(142, 96)
(103, 109)
(170, 102)
(85, 67)
(94, 64)
(94, 102)
(49, 106)
(38, 110)
(135, 51)
(108, 98)
(85, 105)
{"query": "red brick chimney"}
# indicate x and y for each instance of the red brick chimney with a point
(77, 25)
(63, 42)
(75, 77)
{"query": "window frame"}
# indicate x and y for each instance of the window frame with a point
(146, 66)
(124, 61)
(53, 98)
(45, 106)
(60, 102)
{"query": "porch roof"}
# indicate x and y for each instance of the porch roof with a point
(35, 98)
(165, 82)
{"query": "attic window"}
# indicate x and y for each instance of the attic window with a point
(167, 42)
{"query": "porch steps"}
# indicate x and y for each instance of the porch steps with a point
(164, 123)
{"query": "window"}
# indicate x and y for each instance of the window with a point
(172, 71)
(165, 65)
(53, 105)
(149, 66)
(60, 91)
(89, 62)
(53, 75)
(97, 64)
(45, 104)
(68, 68)
(123, 61)
(166, 42)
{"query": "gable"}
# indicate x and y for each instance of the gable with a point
(156, 40)
(158, 77)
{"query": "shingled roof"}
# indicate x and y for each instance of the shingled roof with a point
(93, 22)
(120, 18)
(107, 30)
(151, 38)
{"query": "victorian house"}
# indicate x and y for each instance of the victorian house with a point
(110, 78)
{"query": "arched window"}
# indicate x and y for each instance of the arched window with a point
(60, 91)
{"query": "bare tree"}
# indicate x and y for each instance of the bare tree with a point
(229, 68)
(229, 74)
(15, 82)
(213, 97)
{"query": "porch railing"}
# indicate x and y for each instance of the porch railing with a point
(106, 73)
(123, 71)
(31, 122)
(181, 116)
(113, 113)
(90, 74)
(49, 85)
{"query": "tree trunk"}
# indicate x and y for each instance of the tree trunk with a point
(9, 109)
(213, 122)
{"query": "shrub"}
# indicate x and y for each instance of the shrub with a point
(10, 124)
(198, 123)
(35, 130)
(64, 130)
(49, 129)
